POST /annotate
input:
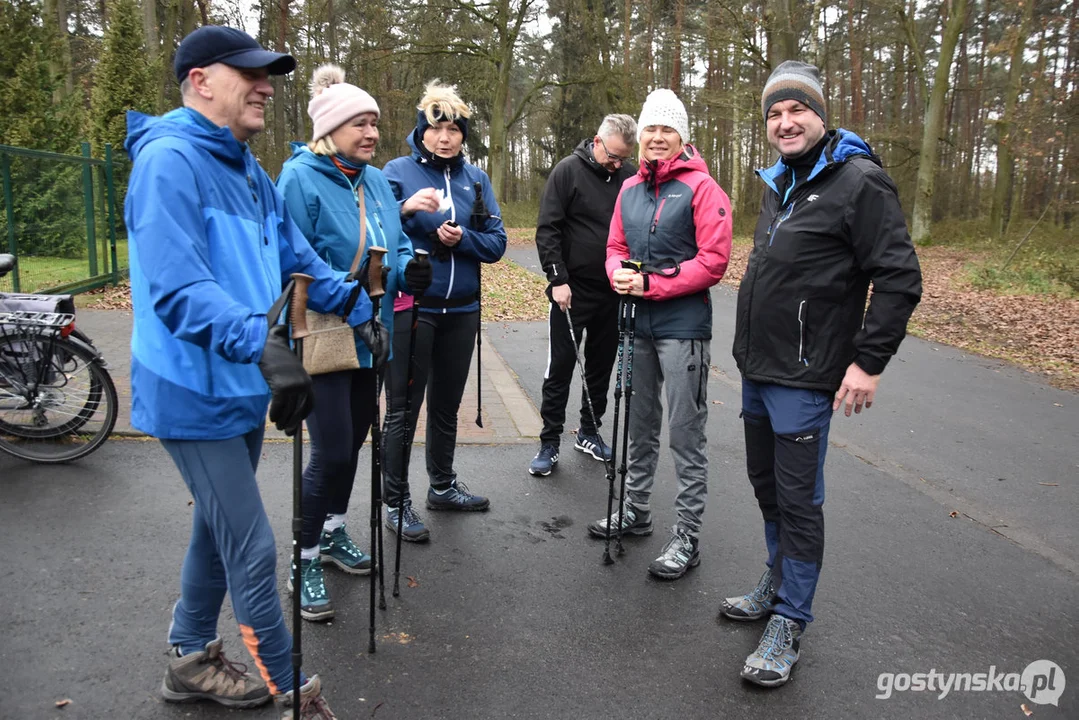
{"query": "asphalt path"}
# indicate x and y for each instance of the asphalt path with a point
(511, 613)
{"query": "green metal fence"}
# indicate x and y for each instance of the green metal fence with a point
(62, 220)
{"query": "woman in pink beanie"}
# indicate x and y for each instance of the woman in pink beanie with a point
(327, 183)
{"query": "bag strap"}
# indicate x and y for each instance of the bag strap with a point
(363, 232)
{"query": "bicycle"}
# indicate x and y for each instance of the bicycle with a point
(57, 400)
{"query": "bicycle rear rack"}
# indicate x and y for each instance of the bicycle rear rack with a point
(36, 319)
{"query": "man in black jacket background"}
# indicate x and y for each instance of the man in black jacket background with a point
(805, 343)
(571, 236)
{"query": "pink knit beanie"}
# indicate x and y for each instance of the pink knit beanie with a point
(334, 102)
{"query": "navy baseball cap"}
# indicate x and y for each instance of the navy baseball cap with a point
(218, 44)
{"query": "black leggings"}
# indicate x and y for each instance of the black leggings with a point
(443, 357)
(344, 406)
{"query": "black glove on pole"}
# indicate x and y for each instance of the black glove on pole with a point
(419, 274)
(424, 265)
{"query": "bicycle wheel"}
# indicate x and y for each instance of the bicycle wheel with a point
(57, 402)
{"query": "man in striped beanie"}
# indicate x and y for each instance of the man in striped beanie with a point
(830, 223)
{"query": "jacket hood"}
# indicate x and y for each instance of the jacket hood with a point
(184, 123)
(425, 157)
(659, 171)
(842, 145)
(302, 155)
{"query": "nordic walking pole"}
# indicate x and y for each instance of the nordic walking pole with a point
(422, 259)
(584, 383)
(297, 319)
(609, 467)
(478, 218)
(628, 390)
(375, 291)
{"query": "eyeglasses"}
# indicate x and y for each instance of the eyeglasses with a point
(611, 156)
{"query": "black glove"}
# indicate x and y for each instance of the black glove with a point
(377, 339)
(418, 276)
(290, 385)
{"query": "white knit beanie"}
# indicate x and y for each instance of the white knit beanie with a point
(662, 107)
(334, 102)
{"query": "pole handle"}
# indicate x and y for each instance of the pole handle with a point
(375, 288)
(297, 311)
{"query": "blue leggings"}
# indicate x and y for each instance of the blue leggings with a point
(232, 550)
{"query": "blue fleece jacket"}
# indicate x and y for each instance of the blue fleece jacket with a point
(323, 203)
(211, 245)
(456, 275)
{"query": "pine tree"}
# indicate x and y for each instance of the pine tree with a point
(123, 79)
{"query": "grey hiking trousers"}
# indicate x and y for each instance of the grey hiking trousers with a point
(682, 366)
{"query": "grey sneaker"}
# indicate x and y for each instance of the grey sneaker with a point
(634, 522)
(771, 663)
(312, 705)
(678, 556)
(209, 675)
(754, 605)
(412, 527)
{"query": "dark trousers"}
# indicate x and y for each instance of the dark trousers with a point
(594, 316)
(344, 406)
(441, 362)
(786, 442)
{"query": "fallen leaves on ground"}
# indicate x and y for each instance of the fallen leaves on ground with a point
(412, 582)
(511, 293)
(401, 638)
(63, 703)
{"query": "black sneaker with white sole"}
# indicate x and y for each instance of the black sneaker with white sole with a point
(592, 444)
(545, 460)
(678, 556)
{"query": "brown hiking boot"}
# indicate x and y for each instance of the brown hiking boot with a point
(312, 705)
(209, 675)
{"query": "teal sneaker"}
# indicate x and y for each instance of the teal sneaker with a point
(315, 602)
(338, 549)
(771, 663)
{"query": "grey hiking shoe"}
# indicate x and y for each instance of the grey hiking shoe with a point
(312, 705)
(755, 604)
(634, 522)
(771, 663)
(209, 675)
(678, 556)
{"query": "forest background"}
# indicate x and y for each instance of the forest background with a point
(971, 105)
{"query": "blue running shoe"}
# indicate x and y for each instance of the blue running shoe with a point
(315, 602)
(545, 460)
(456, 497)
(754, 605)
(412, 527)
(338, 549)
(593, 445)
(771, 663)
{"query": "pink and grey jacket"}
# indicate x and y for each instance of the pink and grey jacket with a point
(674, 217)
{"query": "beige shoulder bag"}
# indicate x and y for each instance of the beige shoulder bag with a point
(331, 346)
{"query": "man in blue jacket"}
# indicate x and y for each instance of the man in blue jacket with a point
(211, 245)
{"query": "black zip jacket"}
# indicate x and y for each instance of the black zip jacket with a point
(802, 315)
(575, 219)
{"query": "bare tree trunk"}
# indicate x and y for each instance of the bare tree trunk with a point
(676, 69)
(857, 112)
(934, 120)
(815, 23)
(627, 24)
(998, 213)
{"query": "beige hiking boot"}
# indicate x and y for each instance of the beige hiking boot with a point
(312, 705)
(209, 675)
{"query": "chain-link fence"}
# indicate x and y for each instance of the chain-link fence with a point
(62, 219)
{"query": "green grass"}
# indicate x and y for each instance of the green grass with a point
(41, 273)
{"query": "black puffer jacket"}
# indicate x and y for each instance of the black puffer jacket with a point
(816, 248)
(575, 217)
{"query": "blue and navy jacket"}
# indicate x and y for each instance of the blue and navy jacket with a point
(455, 286)
(801, 317)
(673, 214)
(324, 204)
(211, 245)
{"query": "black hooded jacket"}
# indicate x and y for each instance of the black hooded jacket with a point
(802, 317)
(575, 219)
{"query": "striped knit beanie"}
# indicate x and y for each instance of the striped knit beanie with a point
(793, 80)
